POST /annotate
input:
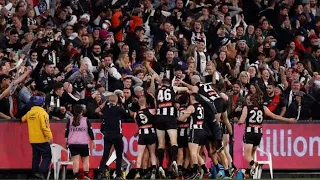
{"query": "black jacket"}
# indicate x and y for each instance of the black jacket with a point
(112, 117)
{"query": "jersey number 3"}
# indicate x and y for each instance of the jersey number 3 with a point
(256, 116)
(164, 95)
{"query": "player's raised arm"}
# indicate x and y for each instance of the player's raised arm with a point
(180, 89)
(276, 117)
(194, 89)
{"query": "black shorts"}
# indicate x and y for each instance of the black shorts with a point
(166, 122)
(183, 141)
(79, 149)
(216, 132)
(183, 137)
(219, 104)
(147, 139)
(197, 136)
(252, 138)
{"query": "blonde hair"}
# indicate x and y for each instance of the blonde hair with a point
(244, 73)
(120, 60)
(112, 98)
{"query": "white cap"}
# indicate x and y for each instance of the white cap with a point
(105, 24)
(73, 36)
(73, 20)
(85, 16)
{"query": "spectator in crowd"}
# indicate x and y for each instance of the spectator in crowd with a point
(275, 103)
(24, 96)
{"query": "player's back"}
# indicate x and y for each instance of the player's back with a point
(198, 115)
(165, 98)
(255, 117)
(207, 91)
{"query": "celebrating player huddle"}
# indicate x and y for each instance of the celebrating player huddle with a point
(186, 121)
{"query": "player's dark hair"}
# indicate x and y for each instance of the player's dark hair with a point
(184, 98)
(77, 110)
(256, 99)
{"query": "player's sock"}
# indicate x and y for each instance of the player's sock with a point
(217, 168)
(195, 168)
(205, 169)
(180, 167)
(76, 175)
(233, 166)
(145, 172)
(160, 155)
(153, 167)
(226, 172)
(251, 163)
(174, 151)
(86, 173)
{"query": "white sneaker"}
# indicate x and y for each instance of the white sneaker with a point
(219, 175)
(201, 173)
(175, 168)
(162, 173)
(254, 168)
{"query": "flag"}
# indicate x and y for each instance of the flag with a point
(40, 6)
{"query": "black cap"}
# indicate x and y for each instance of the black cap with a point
(47, 62)
(49, 23)
(178, 68)
(301, 32)
(225, 41)
(199, 40)
(125, 71)
(45, 40)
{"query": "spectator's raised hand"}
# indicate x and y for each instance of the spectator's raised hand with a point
(29, 69)
(59, 79)
(297, 24)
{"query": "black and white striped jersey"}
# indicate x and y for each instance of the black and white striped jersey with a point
(165, 98)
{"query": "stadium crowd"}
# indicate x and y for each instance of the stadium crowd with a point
(78, 51)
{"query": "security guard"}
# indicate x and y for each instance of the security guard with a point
(40, 136)
(112, 131)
